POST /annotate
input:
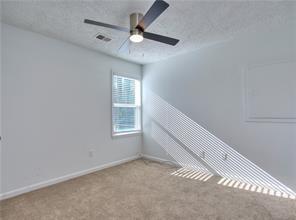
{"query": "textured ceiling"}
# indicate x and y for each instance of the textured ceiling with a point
(195, 23)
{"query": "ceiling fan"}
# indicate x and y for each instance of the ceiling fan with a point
(139, 24)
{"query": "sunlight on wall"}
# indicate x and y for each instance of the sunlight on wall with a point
(215, 153)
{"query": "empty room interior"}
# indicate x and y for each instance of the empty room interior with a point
(148, 109)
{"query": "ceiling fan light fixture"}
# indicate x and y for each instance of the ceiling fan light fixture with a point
(136, 36)
(138, 24)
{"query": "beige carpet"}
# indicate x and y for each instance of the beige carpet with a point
(144, 190)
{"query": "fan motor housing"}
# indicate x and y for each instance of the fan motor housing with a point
(135, 18)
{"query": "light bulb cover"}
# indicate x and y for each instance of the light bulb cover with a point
(136, 38)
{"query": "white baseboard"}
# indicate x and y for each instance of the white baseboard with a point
(50, 182)
(158, 159)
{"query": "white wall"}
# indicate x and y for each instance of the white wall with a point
(208, 87)
(56, 107)
(0, 105)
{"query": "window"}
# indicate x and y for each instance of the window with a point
(126, 105)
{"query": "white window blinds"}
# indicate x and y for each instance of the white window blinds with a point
(126, 104)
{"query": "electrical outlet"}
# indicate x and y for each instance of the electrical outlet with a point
(91, 153)
(203, 155)
(38, 172)
(225, 157)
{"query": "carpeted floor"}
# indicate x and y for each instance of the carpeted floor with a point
(144, 190)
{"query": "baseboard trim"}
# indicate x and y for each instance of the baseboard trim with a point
(53, 181)
(158, 159)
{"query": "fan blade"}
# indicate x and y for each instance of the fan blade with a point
(124, 48)
(160, 38)
(154, 11)
(87, 21)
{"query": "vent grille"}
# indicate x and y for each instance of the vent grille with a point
(103, 38)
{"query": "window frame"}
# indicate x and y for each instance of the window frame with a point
(132, 132)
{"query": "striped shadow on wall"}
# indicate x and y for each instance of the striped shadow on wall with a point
(194, 147)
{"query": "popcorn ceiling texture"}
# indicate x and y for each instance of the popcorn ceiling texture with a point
(195, 23)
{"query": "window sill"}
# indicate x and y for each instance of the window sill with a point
(127, 134)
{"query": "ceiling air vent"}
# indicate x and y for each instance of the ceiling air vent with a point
(103, 38)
